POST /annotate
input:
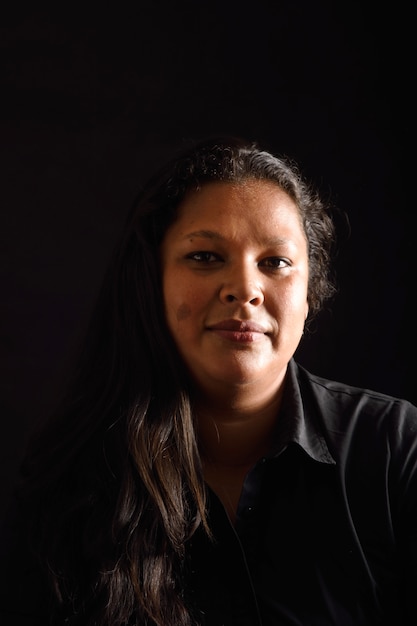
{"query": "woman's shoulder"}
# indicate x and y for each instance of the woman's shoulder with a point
(365, 429)
(340, 393)
(347, 411)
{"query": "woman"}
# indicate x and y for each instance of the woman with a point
(197, 474)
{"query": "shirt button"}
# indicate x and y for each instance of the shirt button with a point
(248, 511)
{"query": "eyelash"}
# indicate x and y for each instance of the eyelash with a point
(273, 263)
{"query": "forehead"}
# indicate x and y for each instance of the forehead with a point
(254, 204)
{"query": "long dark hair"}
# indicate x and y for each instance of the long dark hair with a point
(114, 483)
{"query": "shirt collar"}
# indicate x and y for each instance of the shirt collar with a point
(298, 422)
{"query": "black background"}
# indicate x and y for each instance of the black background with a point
(92, 99)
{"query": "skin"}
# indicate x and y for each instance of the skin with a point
(235, 275)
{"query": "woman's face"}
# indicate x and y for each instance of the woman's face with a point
(235, 275)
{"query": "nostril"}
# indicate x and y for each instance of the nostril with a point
(230, 297)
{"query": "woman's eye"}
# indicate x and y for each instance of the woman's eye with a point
(204, 257)
(274, 262)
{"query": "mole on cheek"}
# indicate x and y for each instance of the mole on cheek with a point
(183, 312)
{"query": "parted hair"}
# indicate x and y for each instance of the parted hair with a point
(112, 486)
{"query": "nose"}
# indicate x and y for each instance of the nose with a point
(242, 284)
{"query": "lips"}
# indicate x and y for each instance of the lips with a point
(242, 326)
(239, 330)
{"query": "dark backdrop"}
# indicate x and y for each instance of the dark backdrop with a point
(91, 100)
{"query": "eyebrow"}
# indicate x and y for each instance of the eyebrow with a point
(213, 234)
(206, 234)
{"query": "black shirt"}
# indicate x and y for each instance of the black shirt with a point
(326, 531)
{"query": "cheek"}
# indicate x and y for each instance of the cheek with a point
(179, 319)
(182, 312)
(183, 299)
(293, 301)
(178, 308)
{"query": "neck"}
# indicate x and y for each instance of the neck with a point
(231, 440)
(236, 433)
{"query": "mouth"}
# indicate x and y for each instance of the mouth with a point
(242, 331)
